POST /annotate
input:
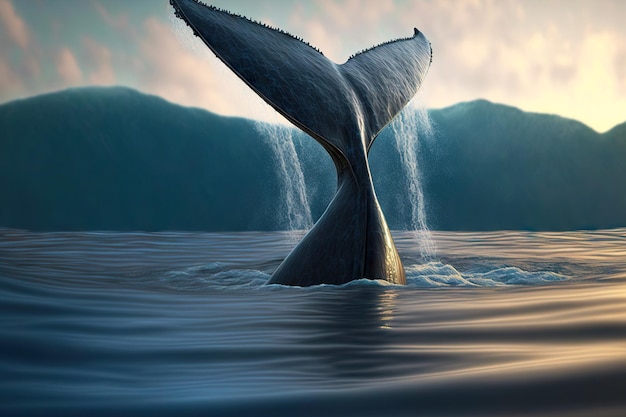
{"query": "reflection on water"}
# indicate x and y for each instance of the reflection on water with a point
(349, 332)
(507, 323)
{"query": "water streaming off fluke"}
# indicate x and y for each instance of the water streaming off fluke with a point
(297, 212)
(411, 127)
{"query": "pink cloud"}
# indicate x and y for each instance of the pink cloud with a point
(120, 23)
(68, 68)
(100, 59)
(10, 81)
(181, 69)
(15, 26)
(20, 55)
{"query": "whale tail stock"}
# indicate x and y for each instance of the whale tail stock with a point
(344, 107)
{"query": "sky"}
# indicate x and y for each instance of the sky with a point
(565, 57)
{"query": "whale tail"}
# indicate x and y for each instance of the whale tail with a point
(344, 107)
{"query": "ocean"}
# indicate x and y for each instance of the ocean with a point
(130, 324)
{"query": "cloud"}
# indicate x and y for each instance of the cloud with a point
(540, 56)
(353, 15)
(596, 93)
(120, 23)
(563, 57)
(10, 81)
(318, 34)
(99, 60)
(116, 22)
(620, 66)
(20, 55)
(14, 25)
(68, 68)
(177, 66)
(340, 29)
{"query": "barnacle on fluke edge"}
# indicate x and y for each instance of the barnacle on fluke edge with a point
(416, 32)
(178, 14)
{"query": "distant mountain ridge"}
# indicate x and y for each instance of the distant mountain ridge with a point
(524, 171)
(116, 159)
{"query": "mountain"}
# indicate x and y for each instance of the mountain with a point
(116, 159)
(497, 167)
(617, 133)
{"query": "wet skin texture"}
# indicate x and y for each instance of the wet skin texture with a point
(344, 107)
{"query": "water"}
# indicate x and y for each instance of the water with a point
(504, 323)
(410, 127)
(297, 213)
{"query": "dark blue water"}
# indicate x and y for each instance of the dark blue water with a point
(507, 323)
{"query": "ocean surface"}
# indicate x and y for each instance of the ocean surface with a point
(494, 324)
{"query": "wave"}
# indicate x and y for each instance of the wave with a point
(222, 276)
(437, 274)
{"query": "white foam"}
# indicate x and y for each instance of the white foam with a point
(437, 274)
(221, 276)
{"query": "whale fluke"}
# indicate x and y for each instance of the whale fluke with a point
(344, 107)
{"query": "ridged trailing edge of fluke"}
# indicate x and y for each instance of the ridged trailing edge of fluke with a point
(344, 107)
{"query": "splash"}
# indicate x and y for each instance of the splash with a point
(409, 127)
(434, 274)
(297, 213)
(438, 275)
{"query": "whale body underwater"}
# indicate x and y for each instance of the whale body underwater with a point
(344, 108)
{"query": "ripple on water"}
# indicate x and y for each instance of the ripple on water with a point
(183, 323)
